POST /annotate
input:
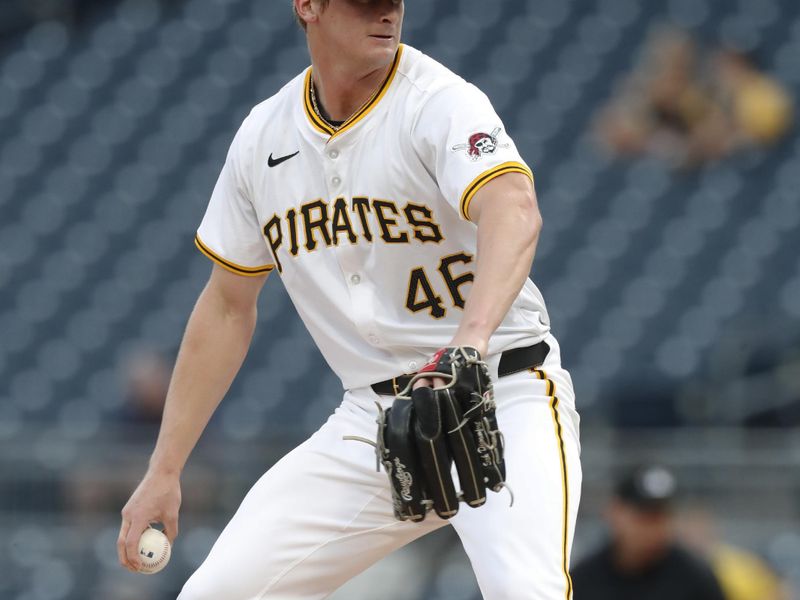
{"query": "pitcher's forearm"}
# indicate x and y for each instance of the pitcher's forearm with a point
(507, 237)
(212, 351)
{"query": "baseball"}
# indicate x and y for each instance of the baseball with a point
(154, 551)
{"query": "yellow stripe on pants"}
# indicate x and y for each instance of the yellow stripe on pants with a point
(551, 392)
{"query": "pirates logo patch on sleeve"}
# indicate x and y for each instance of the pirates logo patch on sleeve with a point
(480, 144)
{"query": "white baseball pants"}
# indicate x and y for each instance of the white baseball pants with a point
(323, 514)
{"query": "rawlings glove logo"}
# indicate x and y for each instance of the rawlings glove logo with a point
(404, 478)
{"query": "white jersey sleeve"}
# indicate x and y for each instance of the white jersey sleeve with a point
(230, 233)
(459, 136)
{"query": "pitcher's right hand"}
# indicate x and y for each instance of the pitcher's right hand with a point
(157, 499)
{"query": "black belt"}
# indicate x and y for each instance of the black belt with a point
(511, 361)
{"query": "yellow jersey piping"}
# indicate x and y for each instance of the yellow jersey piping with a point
(323, 127)
(486, 177)
(228, 265)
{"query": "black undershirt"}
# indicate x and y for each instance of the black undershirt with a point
(677, 576)
(324, 114)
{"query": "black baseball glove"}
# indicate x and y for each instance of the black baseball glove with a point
(427, 429)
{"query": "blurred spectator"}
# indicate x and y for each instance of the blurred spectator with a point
(642, 559)
(101, 486)
(742, 574)
(147, 376)
(688, 108)
(97, 488)
(759, 108)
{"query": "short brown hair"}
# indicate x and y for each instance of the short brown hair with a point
(297, 17)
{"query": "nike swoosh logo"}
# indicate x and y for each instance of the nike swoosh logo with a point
(274, 162)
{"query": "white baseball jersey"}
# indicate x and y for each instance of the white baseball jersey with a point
(369, 225)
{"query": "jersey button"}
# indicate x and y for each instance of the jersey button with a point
(334, 154)
(336, 180)
(374, 339)
(355, 279)
(413, 365)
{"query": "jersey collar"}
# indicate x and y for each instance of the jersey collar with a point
(323, 127)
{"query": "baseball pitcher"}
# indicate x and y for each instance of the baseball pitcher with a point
(389, 198)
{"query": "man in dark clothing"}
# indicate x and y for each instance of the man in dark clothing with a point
(642, 561)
